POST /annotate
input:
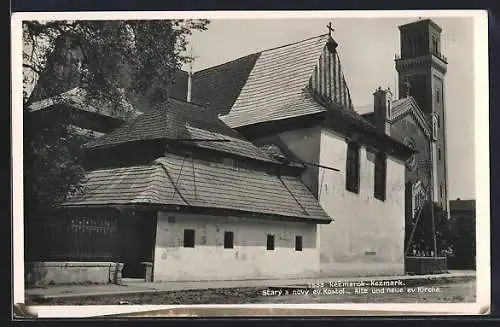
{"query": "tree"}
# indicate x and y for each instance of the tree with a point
(114, 61)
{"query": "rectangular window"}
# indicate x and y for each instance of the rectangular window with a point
(228, 240)
(380, 175)
(189, 238)
(441, 190)
(298, 243)
(438, 121)
(352, 167)
(438, 96)
(270, 242)
(439, 154)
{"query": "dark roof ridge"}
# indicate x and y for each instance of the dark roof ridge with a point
(208, 111)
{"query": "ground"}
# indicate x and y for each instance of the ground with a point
(443, 292)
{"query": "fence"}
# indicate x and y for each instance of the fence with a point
(72, 239)
(425, 265)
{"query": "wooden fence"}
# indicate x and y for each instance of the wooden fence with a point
(72, 239)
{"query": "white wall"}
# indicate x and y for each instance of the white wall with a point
(367, 235)
(249, 259)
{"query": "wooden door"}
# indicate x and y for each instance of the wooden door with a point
(137, 237)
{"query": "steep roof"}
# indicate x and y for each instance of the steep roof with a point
(175, 180)
(274, 89)
(184, 122)
(219, 86)
(268, 85)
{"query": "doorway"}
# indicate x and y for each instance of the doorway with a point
(137, 232)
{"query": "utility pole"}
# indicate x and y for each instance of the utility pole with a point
(192, 57)
(431, 191)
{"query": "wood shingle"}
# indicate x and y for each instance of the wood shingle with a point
(183, 122)
(176, 180)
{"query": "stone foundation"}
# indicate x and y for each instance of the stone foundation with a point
(53, 273)
(359, 269)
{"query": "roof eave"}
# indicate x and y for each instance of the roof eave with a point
(145, 206)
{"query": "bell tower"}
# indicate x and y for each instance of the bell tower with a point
(421, 70)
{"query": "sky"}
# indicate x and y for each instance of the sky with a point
(367, 47)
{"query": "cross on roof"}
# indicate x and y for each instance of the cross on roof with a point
(330, 28)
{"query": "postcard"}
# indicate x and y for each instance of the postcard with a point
(250, 163)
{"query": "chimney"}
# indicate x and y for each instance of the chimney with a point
(382, 109)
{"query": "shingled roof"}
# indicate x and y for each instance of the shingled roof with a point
(267, 85)
(178, 181)
(184, 122)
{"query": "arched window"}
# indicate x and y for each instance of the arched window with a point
(411, 163)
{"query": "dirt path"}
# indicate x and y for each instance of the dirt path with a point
(437, 293)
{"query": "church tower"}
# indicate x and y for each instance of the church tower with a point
(421, 70)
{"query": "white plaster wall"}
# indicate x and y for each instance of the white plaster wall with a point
(249, 259)
(304, 144)
(367, 235)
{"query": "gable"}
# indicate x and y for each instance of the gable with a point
(408, 106)
(328, 79)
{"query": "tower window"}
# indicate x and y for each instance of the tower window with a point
(380, 176)
(352, 167)
(435, 45)
(270, 242)
(438, 95)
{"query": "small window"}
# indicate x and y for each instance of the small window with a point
(441, 190)
(298, 243)
(439, 154)
(352, 167)
(438, 96)
(380, 176)
(270, 242)
(438, 121)
(189, 238)
(228, 240)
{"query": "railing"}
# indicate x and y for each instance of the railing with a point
(437, 54)
(425, 265)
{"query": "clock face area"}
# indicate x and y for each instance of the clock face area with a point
(411, 163)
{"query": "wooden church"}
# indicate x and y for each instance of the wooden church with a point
(261, 167)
